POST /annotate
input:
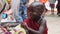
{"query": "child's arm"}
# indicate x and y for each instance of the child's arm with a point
(41, 29)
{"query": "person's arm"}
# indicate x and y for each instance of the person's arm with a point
(41, 29)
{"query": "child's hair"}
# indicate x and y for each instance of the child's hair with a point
(36, 6)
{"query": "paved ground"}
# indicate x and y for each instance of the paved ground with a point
(53, 23)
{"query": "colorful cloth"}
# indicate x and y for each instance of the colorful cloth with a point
(43, 1)
(19, 29)
(22, 11)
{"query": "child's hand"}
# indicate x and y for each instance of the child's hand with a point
(24, 25)
(21, 32)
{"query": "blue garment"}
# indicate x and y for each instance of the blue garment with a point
(18, 18)
(23, 12)
(24, 1)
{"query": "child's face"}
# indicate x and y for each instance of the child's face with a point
(35, 12)
(35, 15)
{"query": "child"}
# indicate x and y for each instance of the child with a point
(35, 24)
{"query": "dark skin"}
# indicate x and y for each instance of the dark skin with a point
(36, 18)
(41, 28)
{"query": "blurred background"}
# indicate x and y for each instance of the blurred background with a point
(12, 8)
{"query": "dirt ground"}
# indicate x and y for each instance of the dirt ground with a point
(53, 23)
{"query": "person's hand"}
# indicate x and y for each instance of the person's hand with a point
(24, 25)
(21, 32)
(8, 24)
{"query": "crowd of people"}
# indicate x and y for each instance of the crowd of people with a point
(30, 17)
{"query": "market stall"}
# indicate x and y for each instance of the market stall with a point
(12, 27)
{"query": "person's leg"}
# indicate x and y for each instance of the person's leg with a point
(58, 9)
(52, 11)
(52, 8)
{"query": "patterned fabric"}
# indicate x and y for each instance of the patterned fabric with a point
(22, 10)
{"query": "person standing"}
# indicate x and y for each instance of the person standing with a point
(52, 5)
(58, 7)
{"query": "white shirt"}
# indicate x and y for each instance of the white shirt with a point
(52, 1)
